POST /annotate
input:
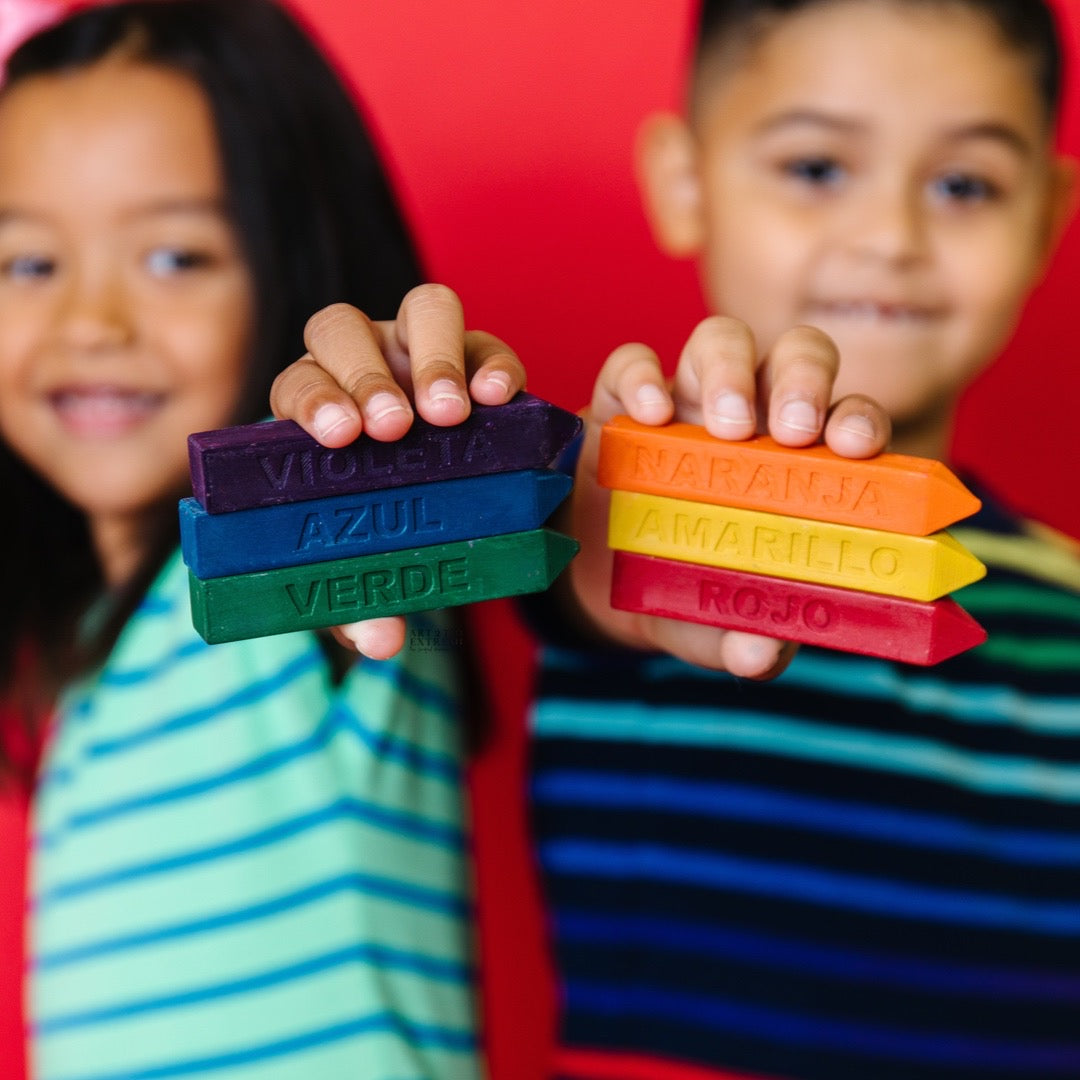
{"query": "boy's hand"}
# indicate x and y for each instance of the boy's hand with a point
(719, 384)
(364, 376)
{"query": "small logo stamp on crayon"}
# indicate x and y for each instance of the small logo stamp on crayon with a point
(436, 639)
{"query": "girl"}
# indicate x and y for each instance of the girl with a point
(248, 857)
(251, 856)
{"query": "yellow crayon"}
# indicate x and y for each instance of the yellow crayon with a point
(870, 560)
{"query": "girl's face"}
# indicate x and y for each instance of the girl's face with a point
(125, 305)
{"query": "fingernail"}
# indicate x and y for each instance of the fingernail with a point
(799, 415)
(383, 405)
(445, 390)
(328, 418)
(731, 408)
(361, 636)
(651, 397)
(861, 426)
(761, 654)
(499, 379)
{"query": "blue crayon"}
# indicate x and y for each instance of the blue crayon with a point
(374, 522)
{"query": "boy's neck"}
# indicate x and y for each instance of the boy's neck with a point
(929, 436)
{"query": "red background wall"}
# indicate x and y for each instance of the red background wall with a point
(509, 130)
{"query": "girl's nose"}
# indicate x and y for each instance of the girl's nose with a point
(95, 315)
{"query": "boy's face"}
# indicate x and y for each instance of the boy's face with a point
(880, 171)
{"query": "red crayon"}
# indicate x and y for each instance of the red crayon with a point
(911, 631)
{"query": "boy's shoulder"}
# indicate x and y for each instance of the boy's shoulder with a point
(1014, 546)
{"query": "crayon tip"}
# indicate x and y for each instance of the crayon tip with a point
(955, 631)
(954, 566)
(947, 500)
(551, 489)
(559, 550)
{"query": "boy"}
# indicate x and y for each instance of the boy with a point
(859, 870)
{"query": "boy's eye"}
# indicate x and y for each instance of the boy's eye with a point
(962, 187)
(28, 267)
(166, 261)
(817, 171)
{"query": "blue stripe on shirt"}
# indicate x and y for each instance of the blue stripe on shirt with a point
(846, 1037)
(647, 794)
(379, 956)
(385, 888)
(248, 694)
(812, 960)
(807, 740)
(386, 747)
(858, 677)
(411, 826)
(810, 885)
(416, 1034)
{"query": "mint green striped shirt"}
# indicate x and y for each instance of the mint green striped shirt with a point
(240, 869)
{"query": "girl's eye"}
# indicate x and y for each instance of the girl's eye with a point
(815, 171)
(166, 261)
(963, 188)
(28, 267)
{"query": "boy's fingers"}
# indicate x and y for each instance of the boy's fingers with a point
(858, 427)
(495, 372)
(715, 380)
(798, 379)
(431, 330)
(344, 384)
(748, 656)
(632, 383)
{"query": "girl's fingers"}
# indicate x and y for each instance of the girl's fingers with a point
(359, 375)
(378, 639)
(495, 373)
(430, 330)
(715, 379)
(429, 348)
(797, 380)
(632, 383)
(344, 384)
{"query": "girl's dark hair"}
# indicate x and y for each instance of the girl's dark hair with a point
(1026, 25)
(316, 222)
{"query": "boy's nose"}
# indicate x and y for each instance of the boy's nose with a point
(890, 226)
(94, 313)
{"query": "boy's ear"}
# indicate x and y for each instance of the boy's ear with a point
(1063, 201)
(670, 183)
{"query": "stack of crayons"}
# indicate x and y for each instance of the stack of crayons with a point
(796, 544)
(284, 534)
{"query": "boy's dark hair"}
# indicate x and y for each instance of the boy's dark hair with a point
(316, 222)
(1025, 25)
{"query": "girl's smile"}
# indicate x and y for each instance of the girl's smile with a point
(99, 411)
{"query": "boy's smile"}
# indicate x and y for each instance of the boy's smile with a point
(903, 206)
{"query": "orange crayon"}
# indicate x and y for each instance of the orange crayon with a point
(890, 492)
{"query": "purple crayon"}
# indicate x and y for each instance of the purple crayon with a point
(278, 462)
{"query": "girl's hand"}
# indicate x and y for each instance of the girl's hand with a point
(364, 376)
(719, 384)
